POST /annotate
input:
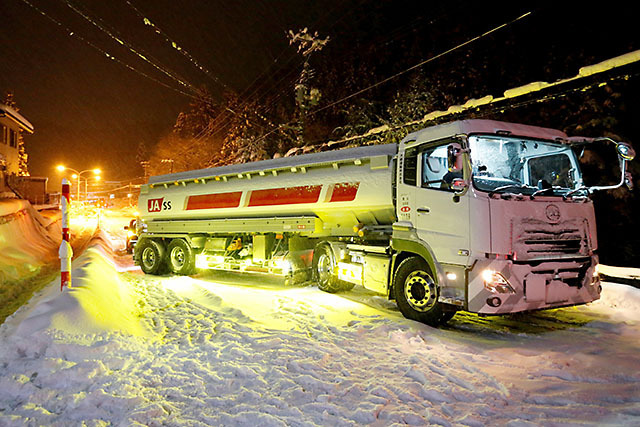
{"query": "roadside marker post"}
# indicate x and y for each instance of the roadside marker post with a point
(66, 252)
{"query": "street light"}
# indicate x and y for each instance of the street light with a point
(86, 184)
(77, 174)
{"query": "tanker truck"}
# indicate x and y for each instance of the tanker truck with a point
(477, 215)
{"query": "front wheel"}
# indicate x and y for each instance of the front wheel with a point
(416, 292)
(180, 257)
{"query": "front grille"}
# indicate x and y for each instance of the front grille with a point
(532, 239)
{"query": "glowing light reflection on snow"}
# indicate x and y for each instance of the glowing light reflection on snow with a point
(268, 305)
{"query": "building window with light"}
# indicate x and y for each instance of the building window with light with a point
(4, 138)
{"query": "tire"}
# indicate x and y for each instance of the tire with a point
(180, 257)
(324, 266)
(152, 257)
(416, 292)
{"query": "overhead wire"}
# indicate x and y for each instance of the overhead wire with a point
(183, 82)
(223, 123)
(422, 63)
(176, 46)
(413, 67)
(397, 33)
(108, 55)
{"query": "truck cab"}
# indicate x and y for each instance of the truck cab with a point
(500, 214)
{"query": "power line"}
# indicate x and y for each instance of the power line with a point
(224, 121)
(71, 33)
(176, 46)
(420, 64)
(413, 67)
(183, 82)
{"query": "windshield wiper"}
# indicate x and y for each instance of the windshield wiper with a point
(552, 189)
(508, 186)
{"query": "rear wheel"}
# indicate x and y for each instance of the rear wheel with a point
(180, 257)
(324, 270)
(152, 254)
(416, 292)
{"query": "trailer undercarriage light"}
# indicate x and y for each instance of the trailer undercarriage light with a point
(282, 264)
(451, 276)
(204, 261)
(495, 282)
(201, 261)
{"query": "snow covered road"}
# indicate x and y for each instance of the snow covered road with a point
(121, 348)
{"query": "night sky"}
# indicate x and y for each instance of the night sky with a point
(90, 111)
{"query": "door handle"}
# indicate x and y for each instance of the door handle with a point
(423, 210)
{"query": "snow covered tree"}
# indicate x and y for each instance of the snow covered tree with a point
(306, 96)
(23, 157)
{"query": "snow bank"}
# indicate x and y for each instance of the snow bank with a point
(27, 240)
(619, 301)
(622, 272)
(98, 300)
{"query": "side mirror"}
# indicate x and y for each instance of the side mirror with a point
(626, 154)
(625, 151)
(458, 185)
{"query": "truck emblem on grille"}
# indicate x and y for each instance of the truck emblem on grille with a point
(553, 213)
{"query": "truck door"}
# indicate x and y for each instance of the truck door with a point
(440, 219)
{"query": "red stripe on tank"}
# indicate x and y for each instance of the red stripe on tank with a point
(344, 192)
(214, 201)
(285, 196)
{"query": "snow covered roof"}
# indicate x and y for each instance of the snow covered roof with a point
(11, 113)
(468, 127)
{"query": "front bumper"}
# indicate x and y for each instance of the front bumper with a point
(532, 285)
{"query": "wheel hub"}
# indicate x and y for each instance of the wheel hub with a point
(420, 291)
(148, 257)
(324, 268)
(177, 258)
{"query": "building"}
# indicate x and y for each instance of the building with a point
(12, 124)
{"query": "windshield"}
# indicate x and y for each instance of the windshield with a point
(520, 165)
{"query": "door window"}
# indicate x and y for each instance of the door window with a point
(435, 169)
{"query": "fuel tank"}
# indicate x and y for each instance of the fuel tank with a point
(342, 188)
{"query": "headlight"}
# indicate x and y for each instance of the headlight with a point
(495, 282)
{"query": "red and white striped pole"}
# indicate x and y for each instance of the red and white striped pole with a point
(66, 252)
